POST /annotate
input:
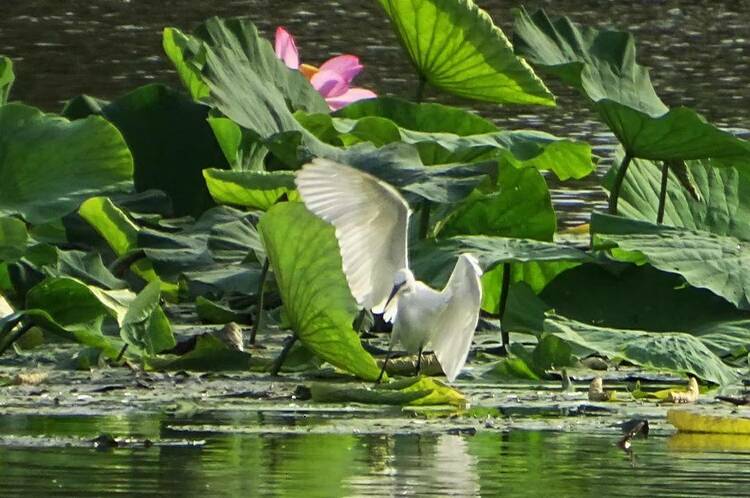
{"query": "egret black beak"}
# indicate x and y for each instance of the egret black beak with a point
(394, 291)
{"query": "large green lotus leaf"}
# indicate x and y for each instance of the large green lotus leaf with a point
(75, 311)
(426, 117)
(188, 56)
(680, 134)
(628, 296)
(521, 207)
(210, 255)
(252, 189)
(534, 262)
(85, 266)
(252, 87)
(671, 351)
(318, 304)
(48, 164)
(145, 326)
(6, 78)
(234, 240)
(210, 354)
(720, 264)
(171, 143)
(55, 295)
(13, 237)
(602, 65)
(550, 353)
(726, 338)
(399, 164)
(456, 47)
(721, 207)
(566, 158)
(121, 235)
(247, 82)
(85, 333)
(242, 148)
(175, 250)
(535, 274)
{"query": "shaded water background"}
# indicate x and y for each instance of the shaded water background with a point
(699, 52)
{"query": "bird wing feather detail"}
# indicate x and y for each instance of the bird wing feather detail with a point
(463, 297)
(371, 221)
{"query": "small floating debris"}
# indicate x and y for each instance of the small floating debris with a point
(632, 428)
(744, 400)
(29, 378)
(689, 396)
(597, 392)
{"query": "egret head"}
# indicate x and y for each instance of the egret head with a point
(403, 281)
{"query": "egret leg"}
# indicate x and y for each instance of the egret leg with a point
(387, 357)
(419, 362)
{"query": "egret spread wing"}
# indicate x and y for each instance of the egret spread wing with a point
(371, 220)
(463, 296)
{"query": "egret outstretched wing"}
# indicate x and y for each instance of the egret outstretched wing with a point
(463, 296)
(371, 220)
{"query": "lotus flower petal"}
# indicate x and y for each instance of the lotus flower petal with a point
(329, 83)
(348, 66)
(349, 96)
(286, 50)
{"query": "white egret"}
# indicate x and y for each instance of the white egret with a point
(371, 220)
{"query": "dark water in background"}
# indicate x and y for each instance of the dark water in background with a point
(236, 463)
(699, 52)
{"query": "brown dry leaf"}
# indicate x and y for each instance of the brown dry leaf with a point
(29, 378)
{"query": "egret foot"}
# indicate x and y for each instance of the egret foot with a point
(385, 363)
(419, 362)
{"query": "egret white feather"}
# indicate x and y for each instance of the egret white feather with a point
(371, 220)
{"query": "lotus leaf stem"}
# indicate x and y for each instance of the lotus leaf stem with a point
(121, 264)
(420, 89)
(261, 299)
(25, 327)
(279, 361)
(615, 194)
(663, 192)
(502, 305)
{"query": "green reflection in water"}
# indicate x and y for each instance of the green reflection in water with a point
(49, 455)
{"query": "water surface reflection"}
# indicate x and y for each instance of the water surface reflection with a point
(518, 463)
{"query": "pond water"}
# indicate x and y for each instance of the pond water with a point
(215, 460)
(699, 51)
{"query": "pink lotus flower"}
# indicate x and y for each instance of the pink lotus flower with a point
(332, 79)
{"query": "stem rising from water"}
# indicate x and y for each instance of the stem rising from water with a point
(261, 299)
(615, 194)
(663, 192)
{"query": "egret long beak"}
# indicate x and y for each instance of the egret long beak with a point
(394, 291)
